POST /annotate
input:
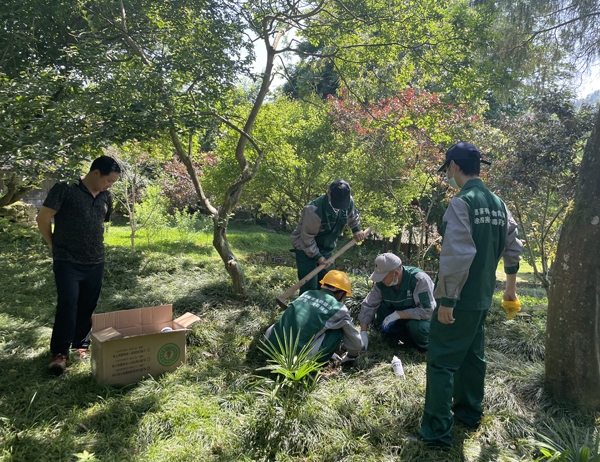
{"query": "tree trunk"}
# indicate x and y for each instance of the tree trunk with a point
(397, 243)
(573, 332)
(15, 190)
(283, 221)
(231, 264)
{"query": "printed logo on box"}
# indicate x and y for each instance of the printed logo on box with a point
(168, 354)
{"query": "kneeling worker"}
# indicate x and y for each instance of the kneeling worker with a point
(401, 302)
(321, 318)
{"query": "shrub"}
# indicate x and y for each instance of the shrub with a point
(568, 444)
(152, 213)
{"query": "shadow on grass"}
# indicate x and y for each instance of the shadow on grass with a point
(32, 393)
(52, 418)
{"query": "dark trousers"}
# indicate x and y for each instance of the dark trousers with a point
(455, 375)
(78, 287)
(411, 331)
(305, 265)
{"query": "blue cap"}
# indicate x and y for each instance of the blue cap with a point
(462, 151)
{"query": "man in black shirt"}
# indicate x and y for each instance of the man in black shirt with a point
(77, 245)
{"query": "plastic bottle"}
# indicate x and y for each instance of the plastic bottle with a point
(398, 369)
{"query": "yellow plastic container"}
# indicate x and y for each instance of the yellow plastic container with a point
(511, 308)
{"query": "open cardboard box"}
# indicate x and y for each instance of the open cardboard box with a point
(128, 345)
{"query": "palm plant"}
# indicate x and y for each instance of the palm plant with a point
(297, 372)
(568, 444)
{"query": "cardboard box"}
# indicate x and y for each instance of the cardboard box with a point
(128, 345)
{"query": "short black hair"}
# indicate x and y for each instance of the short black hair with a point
(106, 165)
(469, 167)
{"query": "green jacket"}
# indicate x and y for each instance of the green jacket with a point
(316, 314)
(320, 227)
(414, 297)
(477, 231)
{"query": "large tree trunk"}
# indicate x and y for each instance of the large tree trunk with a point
(573, 332)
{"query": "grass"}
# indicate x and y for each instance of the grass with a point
(209, 409)
(525, 274)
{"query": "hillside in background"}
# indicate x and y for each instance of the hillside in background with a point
(592, 98)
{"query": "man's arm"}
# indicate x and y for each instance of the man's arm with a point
(354, 224)
(510, 293)
(352, 339)
(458, 252)
(513, 247)
(304, 238)
(109, 208)
(369, 307)
(44, 221)
(342, 320)
(512, 255)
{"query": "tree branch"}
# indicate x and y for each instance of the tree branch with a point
(191, 170)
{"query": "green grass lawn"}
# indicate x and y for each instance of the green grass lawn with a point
(525, 273)
(211, 409)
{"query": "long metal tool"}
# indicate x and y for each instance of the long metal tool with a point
(281, 298)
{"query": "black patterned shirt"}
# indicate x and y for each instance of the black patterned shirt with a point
(78, 234)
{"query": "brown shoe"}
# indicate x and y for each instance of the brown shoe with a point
(83, 353)
(58, 364)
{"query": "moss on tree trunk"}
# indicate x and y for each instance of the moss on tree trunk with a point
(573, 331)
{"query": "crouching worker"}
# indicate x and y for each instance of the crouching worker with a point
(321, 318)
(401, 302)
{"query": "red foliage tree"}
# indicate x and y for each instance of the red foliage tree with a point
(177, 184)
(402, 141)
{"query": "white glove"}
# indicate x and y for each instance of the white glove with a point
(347, 359)
(343, 359)
(365, 339)
(389, 320)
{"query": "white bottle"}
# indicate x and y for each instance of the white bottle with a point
(398, 369)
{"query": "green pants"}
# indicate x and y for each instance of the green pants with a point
(412, 330)
(330, 344)
(306, 265)
(455, 375)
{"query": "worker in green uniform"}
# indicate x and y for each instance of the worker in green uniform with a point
(401, 302)
(477, 231)
(320, 318)
(321, 223)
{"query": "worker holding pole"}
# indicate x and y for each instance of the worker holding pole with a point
(477, 231)
(320, 226)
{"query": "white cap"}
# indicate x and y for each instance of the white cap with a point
(385, 263)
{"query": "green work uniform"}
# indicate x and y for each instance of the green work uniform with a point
(414, 296)
(316, 235)
(477, 231)
(321, 321)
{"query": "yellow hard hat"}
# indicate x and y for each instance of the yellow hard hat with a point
(338, 279)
